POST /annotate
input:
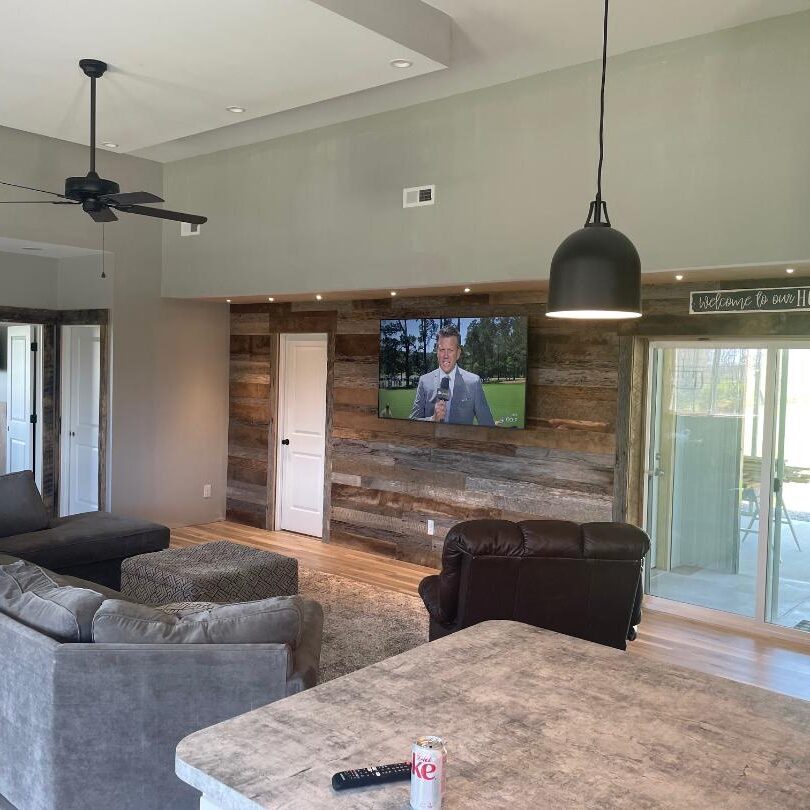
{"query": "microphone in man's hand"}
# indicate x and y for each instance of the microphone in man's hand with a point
(443, 393)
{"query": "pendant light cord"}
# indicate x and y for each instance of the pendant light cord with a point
(602, 117)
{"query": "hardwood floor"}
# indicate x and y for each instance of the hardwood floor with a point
(311, 553)
(769, 663)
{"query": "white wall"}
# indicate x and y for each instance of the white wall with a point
(169, 358)
(707, 165)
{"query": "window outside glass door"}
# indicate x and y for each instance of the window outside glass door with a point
(728, 479)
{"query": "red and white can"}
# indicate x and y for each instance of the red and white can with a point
(428, 773)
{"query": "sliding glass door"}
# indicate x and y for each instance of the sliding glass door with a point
(728, 478)
(788, 586)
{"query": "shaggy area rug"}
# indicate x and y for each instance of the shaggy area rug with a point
(363, 624)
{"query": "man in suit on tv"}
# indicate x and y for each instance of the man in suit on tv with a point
(451, 394)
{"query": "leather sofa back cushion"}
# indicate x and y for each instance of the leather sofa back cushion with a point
(34, 598)
(267, 621)
(21, 506)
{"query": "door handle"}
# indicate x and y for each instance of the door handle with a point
(285, 441)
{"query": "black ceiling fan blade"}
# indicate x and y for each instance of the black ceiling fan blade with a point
(162, 213)
(131, 198)
(103, 215)
(37, 202)
(29, 188)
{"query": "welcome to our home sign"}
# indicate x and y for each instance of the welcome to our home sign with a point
(768, 299)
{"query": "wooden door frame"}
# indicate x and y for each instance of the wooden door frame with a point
(277, 342)
(51, 322)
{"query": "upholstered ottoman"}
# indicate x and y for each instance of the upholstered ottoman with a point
(211, 572)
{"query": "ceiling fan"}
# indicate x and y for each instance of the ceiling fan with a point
(97, 196)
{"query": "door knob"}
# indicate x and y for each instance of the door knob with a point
(285, 441)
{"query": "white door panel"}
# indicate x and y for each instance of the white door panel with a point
(19, 396)
(82, 349)
(302, 409)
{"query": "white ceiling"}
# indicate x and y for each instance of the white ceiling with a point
(25, 247)
(301, 64)
(175, 66)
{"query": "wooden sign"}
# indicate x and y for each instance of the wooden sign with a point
(767, 299)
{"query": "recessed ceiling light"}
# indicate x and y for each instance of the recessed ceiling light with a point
(790, 270)
(319, 297)
(110, 145)
(401, 63)
(679, 277)
(393, 293)
(466, 289)
(235, 110)
(271, 299)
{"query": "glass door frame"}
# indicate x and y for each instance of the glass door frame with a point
(758, 624)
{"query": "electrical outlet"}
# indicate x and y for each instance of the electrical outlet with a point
(431, 526)
(207, 491)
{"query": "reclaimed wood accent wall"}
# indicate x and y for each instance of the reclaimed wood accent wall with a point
(255, 329)
(387, 477)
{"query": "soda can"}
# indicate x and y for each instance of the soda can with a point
(428, 773)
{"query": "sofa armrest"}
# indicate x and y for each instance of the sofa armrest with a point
(306, 657)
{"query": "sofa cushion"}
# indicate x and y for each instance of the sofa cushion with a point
(21, 506)
(267, 621)
(34, 598)
(86, 538)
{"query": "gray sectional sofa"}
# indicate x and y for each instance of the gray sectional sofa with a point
(93, 725)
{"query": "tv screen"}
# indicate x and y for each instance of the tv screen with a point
(463, 371)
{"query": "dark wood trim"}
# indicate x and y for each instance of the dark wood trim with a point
(327, 461)
(71, 317)
(623, 421)
(272, 435)
(636, 462)
(49, 415)
(84, 317)
(27, 315)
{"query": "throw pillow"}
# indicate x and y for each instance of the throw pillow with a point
(266, 621)
(30, 595)
(21, 506)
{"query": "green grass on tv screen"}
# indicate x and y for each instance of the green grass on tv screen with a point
(506, 401)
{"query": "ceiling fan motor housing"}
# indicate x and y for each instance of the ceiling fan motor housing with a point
(89, 187)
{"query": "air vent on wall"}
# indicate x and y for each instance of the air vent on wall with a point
(189, 229)
(418, 196)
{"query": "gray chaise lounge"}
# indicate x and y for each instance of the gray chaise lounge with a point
(91, 546)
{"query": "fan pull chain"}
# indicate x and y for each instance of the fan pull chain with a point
(103, 253)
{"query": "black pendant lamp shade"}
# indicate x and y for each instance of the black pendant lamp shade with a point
(596, 271)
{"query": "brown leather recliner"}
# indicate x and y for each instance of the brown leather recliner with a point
(581, 580)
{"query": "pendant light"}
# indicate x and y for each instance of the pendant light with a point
(596, 271)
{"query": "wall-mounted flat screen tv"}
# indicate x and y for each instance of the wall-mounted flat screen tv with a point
(463, 371)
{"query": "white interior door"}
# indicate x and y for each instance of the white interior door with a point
(302, 433)
(80, 404)
(19, 398)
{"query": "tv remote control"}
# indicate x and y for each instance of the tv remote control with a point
(373, 775)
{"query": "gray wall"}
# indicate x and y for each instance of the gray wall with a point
(707, 165)
(79, 284)
(28, 281)
(169, 358)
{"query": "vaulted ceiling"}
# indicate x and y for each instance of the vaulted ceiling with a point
(298, 64)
